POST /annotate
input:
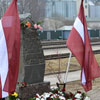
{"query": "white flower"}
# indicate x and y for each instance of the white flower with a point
(62, 98)
(17, 99)
(60, 95)
(46, 95)
(52, 97)
(53, 88)
(78, 96)
(87, 98)
(42, 98)
(60, 92)
(37, 99)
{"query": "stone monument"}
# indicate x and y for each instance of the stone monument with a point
(32, 58)
(32, 62)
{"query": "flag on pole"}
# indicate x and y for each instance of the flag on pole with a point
(79, 44)
(9, 49)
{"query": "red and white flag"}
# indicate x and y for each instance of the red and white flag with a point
(9, 50)
(79, 44)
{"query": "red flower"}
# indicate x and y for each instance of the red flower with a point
(48, 98)
(51, 95)
(21, 82)
(56, 91)
(22, 87)
(74, 99)
(71, 94)
(78, 91)
(67, 95)
(36, 96)
(25, 84)
(63, 90)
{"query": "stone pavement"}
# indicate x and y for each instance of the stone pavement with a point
(64, 50)
(74, 83)
(94, 94)
(72, 76)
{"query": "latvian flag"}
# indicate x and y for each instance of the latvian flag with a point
(79, 44)
(9, 50)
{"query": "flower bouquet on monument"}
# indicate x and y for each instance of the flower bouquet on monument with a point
(31, 24)
(60, 94)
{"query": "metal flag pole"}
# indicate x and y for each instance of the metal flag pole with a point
(66, 75)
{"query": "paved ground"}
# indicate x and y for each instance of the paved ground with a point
(72, 76)
(74, 84)
(64, 50)
(73, 80)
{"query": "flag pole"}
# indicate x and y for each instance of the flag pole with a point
(66, 75)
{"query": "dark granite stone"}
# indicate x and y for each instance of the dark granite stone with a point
(34, 74)
(32, 65)
(31, 90)
(32, 61)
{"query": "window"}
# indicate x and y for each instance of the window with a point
(85, 1)
(86, 6)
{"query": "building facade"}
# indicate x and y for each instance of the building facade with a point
(60, 8)
(86, 6)
(94, 10)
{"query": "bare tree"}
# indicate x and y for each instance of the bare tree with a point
(35, 7)
(21, 6)
(3, 7)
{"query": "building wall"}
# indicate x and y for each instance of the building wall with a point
(78, 2)
(63, 34)
(86, 7)
(64, 8)
(94, 11)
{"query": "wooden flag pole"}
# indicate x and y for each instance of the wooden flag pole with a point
(66, 75)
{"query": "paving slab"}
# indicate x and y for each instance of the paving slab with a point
(72, 76)
(74, 84)
(64, 50)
